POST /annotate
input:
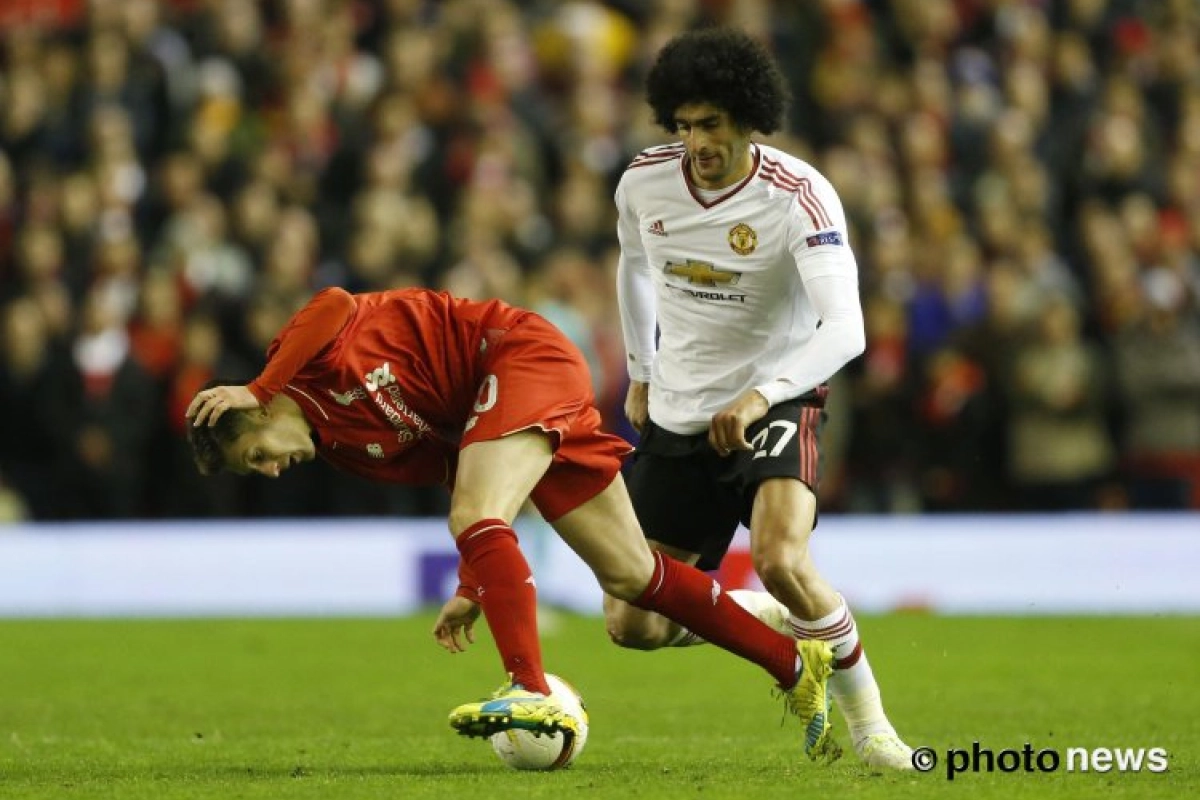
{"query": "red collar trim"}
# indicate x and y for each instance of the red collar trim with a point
(685, 166)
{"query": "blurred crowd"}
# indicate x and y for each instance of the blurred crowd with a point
(1022, 179)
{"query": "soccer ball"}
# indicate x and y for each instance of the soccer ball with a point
(522, 749)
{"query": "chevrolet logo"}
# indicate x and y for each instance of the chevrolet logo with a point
(699, 273)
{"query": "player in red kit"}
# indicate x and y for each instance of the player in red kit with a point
(418, 387)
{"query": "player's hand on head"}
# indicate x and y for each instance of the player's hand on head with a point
(455, 620)
(208, 405)
(637, 405)
(727, 432)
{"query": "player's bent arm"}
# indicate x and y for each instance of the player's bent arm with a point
(302, 339)
(820, 244)
(840, 338)
(210, 404)
(727, 431)
(635, 293)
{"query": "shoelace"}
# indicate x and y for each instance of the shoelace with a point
(790, 708)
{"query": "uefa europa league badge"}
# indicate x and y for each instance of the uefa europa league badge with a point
(743, 239)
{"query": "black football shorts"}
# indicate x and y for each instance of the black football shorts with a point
(688, 497)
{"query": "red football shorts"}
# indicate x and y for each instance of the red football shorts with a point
(538, 379)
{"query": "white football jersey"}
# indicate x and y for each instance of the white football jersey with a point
(724, 282)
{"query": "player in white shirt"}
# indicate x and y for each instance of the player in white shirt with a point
(738, 293)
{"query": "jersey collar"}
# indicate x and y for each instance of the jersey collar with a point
(685, 162)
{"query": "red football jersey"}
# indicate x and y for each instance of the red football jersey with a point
(395, 383)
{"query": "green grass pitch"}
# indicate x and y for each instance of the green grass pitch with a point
(347, 709)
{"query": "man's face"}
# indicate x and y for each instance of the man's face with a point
(718, 149)
(270, 446)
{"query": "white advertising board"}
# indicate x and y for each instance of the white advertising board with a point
(1131, 564)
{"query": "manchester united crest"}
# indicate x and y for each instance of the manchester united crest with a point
(743, 239)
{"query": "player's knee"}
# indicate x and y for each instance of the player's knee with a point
(634, 640)
(635, 631)
(777, 568)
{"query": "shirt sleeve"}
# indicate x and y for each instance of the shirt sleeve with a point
(635, 292)
(302, 339)
(820, 244)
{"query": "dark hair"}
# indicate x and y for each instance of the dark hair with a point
(723, 67)
(208, 443)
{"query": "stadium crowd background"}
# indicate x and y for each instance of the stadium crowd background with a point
(1022, 179)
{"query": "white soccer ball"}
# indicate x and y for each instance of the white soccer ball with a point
(522, 749)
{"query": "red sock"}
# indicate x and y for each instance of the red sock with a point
(696, 601)
(508, 596)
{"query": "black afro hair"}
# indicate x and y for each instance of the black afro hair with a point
(723, 67)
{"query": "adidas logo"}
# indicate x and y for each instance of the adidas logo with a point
(657, 228)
